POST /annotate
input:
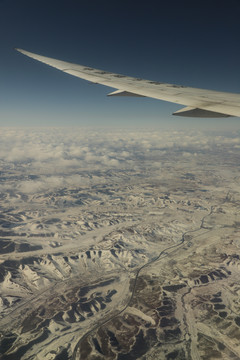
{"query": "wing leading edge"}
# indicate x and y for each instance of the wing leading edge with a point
(198, 102)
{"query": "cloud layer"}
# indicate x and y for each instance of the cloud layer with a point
(60, 157)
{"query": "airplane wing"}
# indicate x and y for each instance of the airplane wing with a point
(198, 102)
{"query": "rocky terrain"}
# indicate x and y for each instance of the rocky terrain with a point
(120, 249)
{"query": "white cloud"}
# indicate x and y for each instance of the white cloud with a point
(58, 156)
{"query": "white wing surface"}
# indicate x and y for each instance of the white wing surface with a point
(198, 102)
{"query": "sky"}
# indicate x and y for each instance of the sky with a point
(192, 43)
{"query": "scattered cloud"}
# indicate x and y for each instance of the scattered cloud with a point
(56, 157)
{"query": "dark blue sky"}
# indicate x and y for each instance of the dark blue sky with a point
(195, 43)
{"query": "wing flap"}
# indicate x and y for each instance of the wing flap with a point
(124, 93)
(196, 112)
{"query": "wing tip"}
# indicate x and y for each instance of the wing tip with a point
(18, 49)
(22, 51)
